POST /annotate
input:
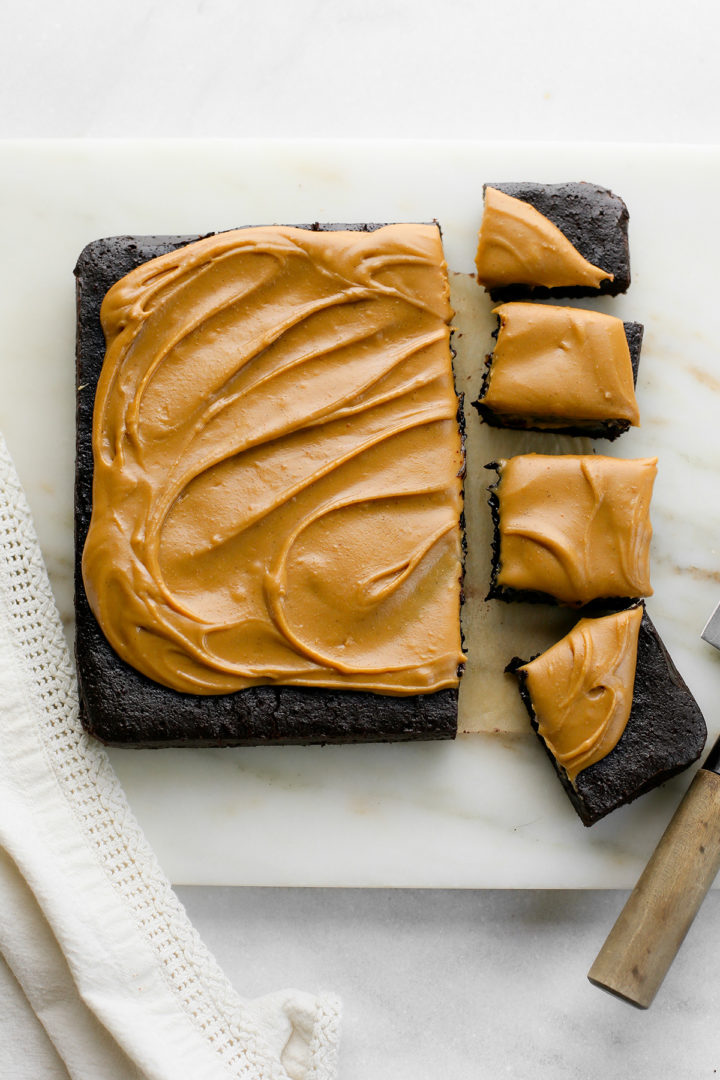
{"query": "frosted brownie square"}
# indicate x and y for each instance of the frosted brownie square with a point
(611, 710)
(539, 240)
(562, 369)
(571, 529)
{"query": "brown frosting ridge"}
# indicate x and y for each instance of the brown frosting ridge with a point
(575, 526)
(277, 490)
(518, 245)
(582, 689)
(561, 363)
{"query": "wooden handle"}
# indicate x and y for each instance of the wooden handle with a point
(650, 929)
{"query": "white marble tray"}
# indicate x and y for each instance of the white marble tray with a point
(486, 810)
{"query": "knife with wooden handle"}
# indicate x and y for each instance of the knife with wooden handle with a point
(659, 911)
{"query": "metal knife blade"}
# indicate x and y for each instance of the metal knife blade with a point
(711, 633)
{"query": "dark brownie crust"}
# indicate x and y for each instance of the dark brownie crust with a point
(593, 219)
(599, 429)
(665, 734)
(122, 707)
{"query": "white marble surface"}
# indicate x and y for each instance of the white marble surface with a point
(485, 810)
(476, 985)
(433, 982)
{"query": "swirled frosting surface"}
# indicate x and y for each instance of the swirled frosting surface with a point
(518, 245)
(576, 526)
(277, 460)
(561, 363)
(582, 688)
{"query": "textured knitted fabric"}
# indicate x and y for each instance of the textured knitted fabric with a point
(89, 924)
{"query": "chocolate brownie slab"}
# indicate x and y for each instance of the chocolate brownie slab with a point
(120, 705)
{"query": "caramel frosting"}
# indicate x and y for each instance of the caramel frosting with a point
(518, 245)
(558, 363)
(277, 492)
(581, 689)
(575, 526)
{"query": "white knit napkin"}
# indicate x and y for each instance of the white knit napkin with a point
(89, 925)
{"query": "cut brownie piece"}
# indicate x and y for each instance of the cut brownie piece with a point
(611, 710)
(124, 706)
(562, 369)
(571, 529)
(540, 240)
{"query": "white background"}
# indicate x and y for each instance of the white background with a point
(458, 984)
